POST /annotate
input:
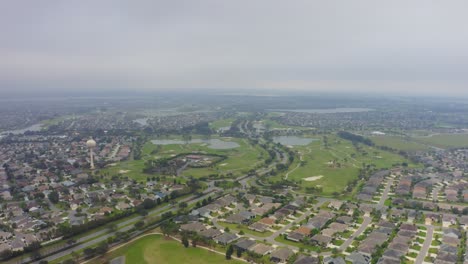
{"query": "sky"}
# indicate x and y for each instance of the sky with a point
(365, 46)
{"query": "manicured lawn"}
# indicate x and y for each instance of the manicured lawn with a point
(156, 249)
(240, 160)
(337, 164)
(221, 123)
(445, 140)
(399, 143)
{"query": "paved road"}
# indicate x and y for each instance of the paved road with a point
(384, 197)
(101, 235)
(365, 223)
(425, 247)
(271, 238)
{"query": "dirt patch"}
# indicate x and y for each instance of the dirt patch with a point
(224, 164)
(123, 171)
(313, 178)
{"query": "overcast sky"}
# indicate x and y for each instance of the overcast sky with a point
(338, 46)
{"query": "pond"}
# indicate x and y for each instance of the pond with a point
(141, 121)
(294, 140)
(212, 143)
(33, 128)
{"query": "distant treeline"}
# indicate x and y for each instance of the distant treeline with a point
(355, 138)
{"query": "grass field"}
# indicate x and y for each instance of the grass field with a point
(221, 123)
(399, 143)
(239, 161)
(154, 249)
(445, 140)
(333, 167)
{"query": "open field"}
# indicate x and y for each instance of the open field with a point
(240, 160)
(445, 140)
(157, 249)
(399, 143)
(221, 123)
(338, 163)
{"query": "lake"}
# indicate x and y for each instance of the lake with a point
(212, 143)
(325, 111)
(33, 128)
(141, 121)
(294, 140)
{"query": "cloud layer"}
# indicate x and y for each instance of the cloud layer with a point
(367, 46)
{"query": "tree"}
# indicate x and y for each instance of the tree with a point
(36, 255)
(5, 254)
(229, 252)
(53, 197)
(148, 203)
(239, 252)
(113, 227)
(169, 228)
(75, 255)
(102, 248)
(88, 252)
(140, 224)
(185, 241)
(195, 241)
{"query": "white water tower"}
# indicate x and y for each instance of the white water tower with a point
(91, 144)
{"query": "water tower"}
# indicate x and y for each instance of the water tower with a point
(91, 144)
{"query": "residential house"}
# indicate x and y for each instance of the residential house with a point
(225, 238)
(281, 255)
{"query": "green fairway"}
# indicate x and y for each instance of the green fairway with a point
(240, 160)
(221, 123)
(445, 140)
(399, 143)
(157, 249)
(332, 167)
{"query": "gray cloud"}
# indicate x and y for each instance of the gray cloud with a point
(394, 46)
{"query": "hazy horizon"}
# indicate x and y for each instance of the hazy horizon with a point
(262, 47)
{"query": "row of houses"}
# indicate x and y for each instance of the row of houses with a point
(372, 185)
(448, 251)
(278, 255)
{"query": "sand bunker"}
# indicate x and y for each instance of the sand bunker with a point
(224, 164)
(123, 171)
(313, 178)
